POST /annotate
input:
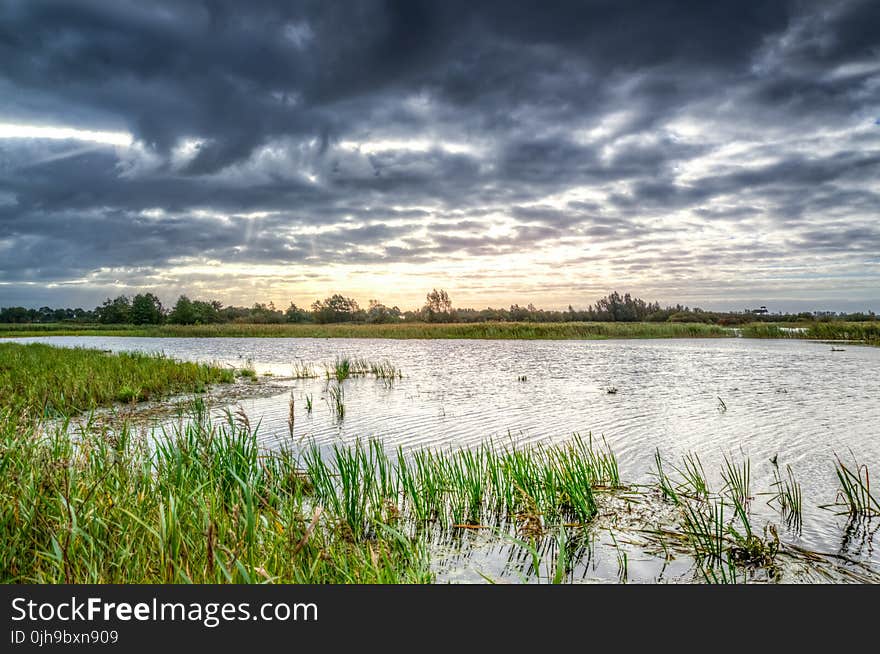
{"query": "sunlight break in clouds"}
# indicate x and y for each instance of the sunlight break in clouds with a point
(13, 131)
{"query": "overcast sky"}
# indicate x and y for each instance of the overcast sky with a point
(719, 154)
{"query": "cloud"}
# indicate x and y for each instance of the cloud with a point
(666, 147)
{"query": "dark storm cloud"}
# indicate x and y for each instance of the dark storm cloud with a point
(407, 131)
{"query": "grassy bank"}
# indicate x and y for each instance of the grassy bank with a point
(490, 330)
(46, 380)
(865, 332)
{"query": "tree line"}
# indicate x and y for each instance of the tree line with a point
(147, 309)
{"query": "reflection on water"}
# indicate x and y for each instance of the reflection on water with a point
(755, 398)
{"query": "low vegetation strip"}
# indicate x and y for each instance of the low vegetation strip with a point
(485, 330)
(46, 380)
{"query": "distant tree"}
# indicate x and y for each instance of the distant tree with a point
(379, 313)
(183, 313)
(296, 315)
(438, 306)
(615, 307)
(146, 309)
(335, 308)
(266, 314)
(115, 311)
(14, 314)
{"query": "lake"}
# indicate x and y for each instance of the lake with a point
(739, 397)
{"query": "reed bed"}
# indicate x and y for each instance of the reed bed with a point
(485, 330)
(362, 482)
(868, 332)
(835, 330)
(204, 504)
(47, 380)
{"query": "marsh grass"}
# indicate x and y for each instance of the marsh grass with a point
(693, 484)
(303, 370)
(203, 505)
(854, 495)
(464, 487)
(717, 528)
(788, 496)
(340, 371)
(248, 371)
(52, 381)
(485, 330)
(336, 401)
(737, 479)
(667, 488)
(345, 367)
(202, 502)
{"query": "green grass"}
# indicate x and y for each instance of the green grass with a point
(341, 370)
(47, 380)
(336, 401)
(716, 528)
(868, 332)
(205, 506)
(493, 330)
(835, 330)
(854, 496)
(788, 497)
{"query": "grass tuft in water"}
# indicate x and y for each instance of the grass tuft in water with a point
(336, 401)
(788, 497)
(736, 480)
(303, 370)
(854, 495)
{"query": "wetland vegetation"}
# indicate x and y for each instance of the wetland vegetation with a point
(864, 332)
(204, 503)
(47, 380)
(201, 499)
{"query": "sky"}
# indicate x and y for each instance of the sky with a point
(718, 154)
